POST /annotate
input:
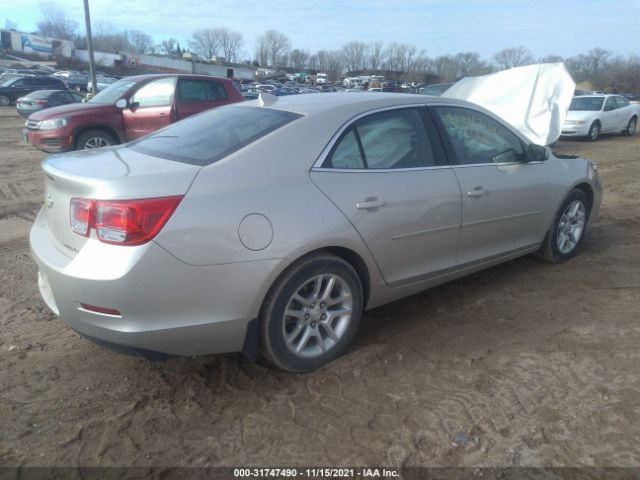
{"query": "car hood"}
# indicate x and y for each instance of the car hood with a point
(581, 114)
(70, 110)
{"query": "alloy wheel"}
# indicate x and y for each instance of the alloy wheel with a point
(96, 142)
(571, 226)
(4, 100)
(317, 315)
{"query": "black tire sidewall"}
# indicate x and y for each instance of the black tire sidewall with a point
(558, 256)
(8, 100)
(594, 125)
(272, 314)
(633, 121)
(94, 133)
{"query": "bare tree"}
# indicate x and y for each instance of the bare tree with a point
(323, 60)
(298, 59)
(551, 59)
(231, 43)
(513, 57)
(469, 64)
(206, 42)
(313, 62)
(446, 67)
(139, 42)
(375, 55)
(355, 56)
(10, 24)
(591, 67)
(168, 47)
(335, 64)
(55, 22)
(271, 47)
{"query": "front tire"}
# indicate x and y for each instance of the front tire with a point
(311, 313)
(630, 131)
(568, 230)
(594, 132)
(5, 101)
(95, 139)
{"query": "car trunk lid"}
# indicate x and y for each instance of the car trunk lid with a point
(115, 173)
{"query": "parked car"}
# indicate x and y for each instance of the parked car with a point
(102, 82)
(225, 232)
(128, 109)
(632, 97)
(78, 82)
(437, 89)
(16, 87)
(42, 99)
(591, 115)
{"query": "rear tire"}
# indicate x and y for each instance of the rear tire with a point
(94, 139)
(569, 227)
(311, 313)
(594, 132)
(630, 131)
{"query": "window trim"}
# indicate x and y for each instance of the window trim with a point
(346, 126)
(450, 151)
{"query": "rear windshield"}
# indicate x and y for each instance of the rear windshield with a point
(586, 104)
(206, 138)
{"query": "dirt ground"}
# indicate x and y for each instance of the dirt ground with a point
(527, 364)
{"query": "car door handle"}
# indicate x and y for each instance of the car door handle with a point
(371, 203)
(162, 115)
(478, 192)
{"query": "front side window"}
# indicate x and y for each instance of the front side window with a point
(158, 93)
(389, 140)
(477, 138)
(610, 104)
(191, 91)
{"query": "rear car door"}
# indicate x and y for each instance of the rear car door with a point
(150, 108)
(388, 175)
(625, 112)
(196, 95)
(503, 196)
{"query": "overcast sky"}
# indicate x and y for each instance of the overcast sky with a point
(562, 27)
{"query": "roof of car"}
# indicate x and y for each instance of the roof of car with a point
(164, 75)
(314, 104)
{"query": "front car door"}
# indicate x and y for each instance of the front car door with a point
(150, 108)
(504, 197)
(196, 95)
(388, 175)
(610, 115)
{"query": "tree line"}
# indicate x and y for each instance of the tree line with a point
(598, 68)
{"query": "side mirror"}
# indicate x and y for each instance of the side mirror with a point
(121, 104)
(537, 153)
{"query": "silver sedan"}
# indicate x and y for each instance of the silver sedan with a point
(269, 227)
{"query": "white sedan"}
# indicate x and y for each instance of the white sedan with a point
(591, 115)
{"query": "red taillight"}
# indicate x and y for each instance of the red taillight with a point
(41, 102)
(123, 222)
(81, 213)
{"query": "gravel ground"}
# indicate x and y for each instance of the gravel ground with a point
(523, 364)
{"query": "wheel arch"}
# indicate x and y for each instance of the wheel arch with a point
(78, 131)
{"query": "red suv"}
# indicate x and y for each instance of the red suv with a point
(128, 109)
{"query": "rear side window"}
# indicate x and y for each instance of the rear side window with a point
(477, 138)
(206, 138)
(190, 91)
(392, 139)
(621, 102)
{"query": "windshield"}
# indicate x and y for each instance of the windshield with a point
(203, 139)
(113, 92)
(586, 104)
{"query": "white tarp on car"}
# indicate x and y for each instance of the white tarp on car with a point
(533, 99)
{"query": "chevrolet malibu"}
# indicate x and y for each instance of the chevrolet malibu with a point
(270, 226)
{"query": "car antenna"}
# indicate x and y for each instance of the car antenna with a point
(266, 99)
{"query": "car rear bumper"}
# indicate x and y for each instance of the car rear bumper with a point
(164, 305)
(52, 141)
